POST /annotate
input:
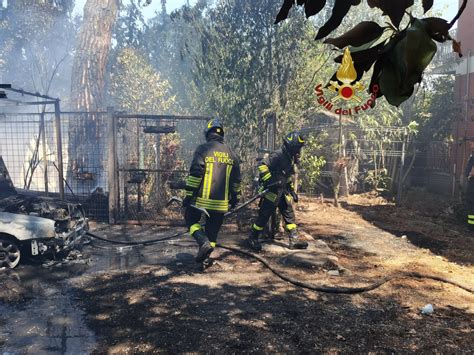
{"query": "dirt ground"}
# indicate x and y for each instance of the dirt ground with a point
(156, 299)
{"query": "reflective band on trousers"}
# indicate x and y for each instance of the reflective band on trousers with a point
(470, 216)
(470, 221)
(290, 227)
(194, 228)
(257, 228)
(213, 244)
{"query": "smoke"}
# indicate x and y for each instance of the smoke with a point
(37, 47)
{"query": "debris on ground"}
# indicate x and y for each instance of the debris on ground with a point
(428, 309)
(156, 298)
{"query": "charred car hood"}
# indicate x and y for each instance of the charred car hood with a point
(25, 227)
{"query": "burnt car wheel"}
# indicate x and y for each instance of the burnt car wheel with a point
(9, 254)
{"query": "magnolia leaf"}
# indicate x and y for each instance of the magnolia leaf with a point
(375, 80)
(391, 84)
(427, 5)
(284, 11)
(362, 33)
(457, 48)
(402, 66)
(420, 50)
(313, 7)
(393, 9)
(339, 11)
(437, 28)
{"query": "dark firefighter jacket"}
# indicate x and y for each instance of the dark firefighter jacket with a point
(278, 167)
(214, 176)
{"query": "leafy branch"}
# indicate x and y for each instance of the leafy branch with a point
(398, 60)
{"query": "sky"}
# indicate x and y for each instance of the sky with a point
(448, 7)
(148, 11)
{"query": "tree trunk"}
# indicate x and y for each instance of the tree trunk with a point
(88, 92)
(92, 51)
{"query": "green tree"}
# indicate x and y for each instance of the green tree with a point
(130, 27)
(434, 110)
(241, 65)
(311, 163)
(135, 86)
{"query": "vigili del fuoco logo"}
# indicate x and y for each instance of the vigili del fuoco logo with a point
(348, 90)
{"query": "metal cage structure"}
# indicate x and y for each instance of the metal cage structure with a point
(120, 166)
(363, 148)
(151, 162)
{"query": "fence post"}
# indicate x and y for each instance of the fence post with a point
(345, 177)
(112, 164)
(158, 180)
(59, 147)
(453, 187)
(44, 155)
(402, 166)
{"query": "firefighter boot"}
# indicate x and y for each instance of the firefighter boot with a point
(253, 241)
(295, 241)
(205, 248)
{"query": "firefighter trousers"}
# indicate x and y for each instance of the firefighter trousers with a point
(267, 208)
(212, 224)
(470, 204)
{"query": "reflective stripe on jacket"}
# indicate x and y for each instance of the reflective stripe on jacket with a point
(214, 176)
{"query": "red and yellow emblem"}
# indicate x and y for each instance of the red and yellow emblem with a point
(346, 74)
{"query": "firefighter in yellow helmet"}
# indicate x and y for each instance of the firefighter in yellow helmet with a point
(213, 184)
(277, 170)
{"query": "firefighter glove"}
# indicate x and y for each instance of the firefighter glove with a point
(294, 195)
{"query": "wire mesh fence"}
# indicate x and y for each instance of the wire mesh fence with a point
(152, 153)
(84, 147)
(153, 160)
(387, 158)
(29, 147)
(354, 158)
(433, 168)
(153, 156)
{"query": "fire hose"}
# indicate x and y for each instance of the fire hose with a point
(142, 242)
(299, 283)
(179, 234)
(287, 278)
(343, 290)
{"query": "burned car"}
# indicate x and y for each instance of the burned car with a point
(33, 227)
